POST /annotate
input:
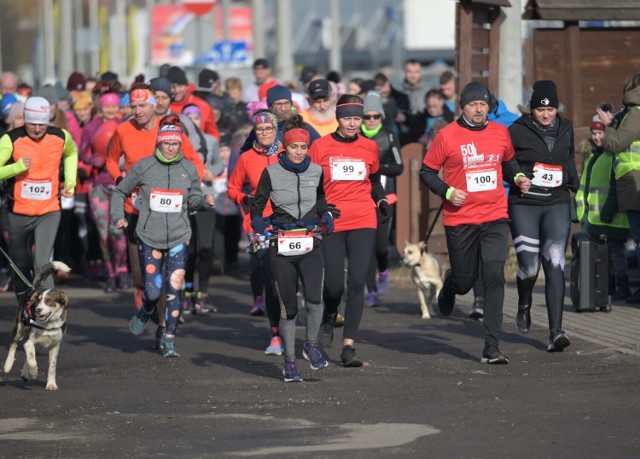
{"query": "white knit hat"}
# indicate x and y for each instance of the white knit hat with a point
(37, 110)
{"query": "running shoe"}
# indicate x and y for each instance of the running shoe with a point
(313, 354)
(200, 303)
(275, 346)
(188, 302)
(160, 338)
(372, 300)
(523, 318)
(111, 285)
(325, 335)
(259, 307)
(170, 349)
(290, 371)
(492, 355)
(349, 358)
(559, 342)
(138, 322)
(383, 282)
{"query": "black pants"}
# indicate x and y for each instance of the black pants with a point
(357, 246)
(201, 249)
(469, 246)
(380, 259)
(262, 279)
(540, 236)
(286, 270)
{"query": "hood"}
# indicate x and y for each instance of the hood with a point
(632, 97)
(501, 114)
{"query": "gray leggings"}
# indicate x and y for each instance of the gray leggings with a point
(24, 231)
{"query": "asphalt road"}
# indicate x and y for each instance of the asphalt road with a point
(423, 392)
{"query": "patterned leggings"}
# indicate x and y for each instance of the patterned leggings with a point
(152, 262)
(113, 242)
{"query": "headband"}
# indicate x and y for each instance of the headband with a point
(142, 95)
(192, 110)
(109, 99)
(296, 135)
(265, 117)
(350, 109)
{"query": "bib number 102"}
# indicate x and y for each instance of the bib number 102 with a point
(37, 189)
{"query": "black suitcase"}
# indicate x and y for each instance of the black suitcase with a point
(589, 274)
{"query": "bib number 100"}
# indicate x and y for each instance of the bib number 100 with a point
(482, 179)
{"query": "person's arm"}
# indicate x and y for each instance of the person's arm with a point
(618, 140)
(321, 199)
(187, 150)
(235, 183)
(573, 181)
(120, 193)
(430, 178)
(390, 160)
(196, 200)
(113, 156)
(6, 152)
(70, 160)
(263, 192)
(209, 124)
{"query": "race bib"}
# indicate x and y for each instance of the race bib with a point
(294, 243)
(482, 180)
(165, 200)
(546, 175)
(38, 190)
(348, 169)
(136, 200)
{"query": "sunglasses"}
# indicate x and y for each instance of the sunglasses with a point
(372, 117)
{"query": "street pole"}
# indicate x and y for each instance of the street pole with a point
(335, 54)
(511, 63)
(259, 48)
(94, 28)
(284, 58)
(48, 72)
(66, 40)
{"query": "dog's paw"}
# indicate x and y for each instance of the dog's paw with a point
(51, 385)
(8, 365)
(31, 373)
(426, 316)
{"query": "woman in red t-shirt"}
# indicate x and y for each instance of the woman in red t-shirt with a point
(351, 167)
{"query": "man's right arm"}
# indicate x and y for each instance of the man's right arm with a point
(6, 151)
(113, 157)
(431, 179)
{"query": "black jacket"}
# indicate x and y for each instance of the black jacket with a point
(530, 147)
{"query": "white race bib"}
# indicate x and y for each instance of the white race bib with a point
(481, 180)
(546, 175)
(165, 200)
(38, 190)
(348, 169)
(294, 243)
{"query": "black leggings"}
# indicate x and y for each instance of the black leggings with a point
(287, 270)
(201, 249)
(380, 259)
(469, 246)
(261, 278)
(540, 235)
(357, 245)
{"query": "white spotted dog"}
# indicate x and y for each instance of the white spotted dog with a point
(425, 273)
(41, 321)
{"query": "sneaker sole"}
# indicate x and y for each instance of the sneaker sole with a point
(476, 314)
(270, 351)
(353, 363)
(285, 379)
(306, 357)
(502, 360)
(559, 345)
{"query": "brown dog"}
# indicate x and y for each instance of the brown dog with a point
(425, 274)
(41, 321)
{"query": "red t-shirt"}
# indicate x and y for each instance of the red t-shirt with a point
(346, 167)
(472, 162)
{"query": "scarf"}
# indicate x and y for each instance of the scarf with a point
(267, 151)
(370, 133)
(164, 160)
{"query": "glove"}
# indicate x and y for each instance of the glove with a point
(335, 212)
(248, 200)
(327, 221)
(260, 224)
(383, 207)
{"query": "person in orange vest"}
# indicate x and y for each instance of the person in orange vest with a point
(30, 158)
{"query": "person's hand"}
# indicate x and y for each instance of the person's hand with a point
(383, 206)
(248, 200)
(260, 224)
(26, 161)
(68, 191)
(523, 183)
(210, 199)
(605, 117)
(327, 221)
(458, 197)
(335, 212)
(400, 118)
(207, 176)
(122, 223)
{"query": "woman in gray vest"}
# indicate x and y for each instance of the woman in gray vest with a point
(295, 187)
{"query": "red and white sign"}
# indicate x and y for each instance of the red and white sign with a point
(199, 7)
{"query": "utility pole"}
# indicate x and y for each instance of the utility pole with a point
(66, 40)
(335, 54)
(284, 58)
(259, 48)
(48, 70)
(94, 31)
(510, 78)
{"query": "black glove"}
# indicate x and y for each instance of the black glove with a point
(327, 221)
(248, 200)
(335, 212)
(82, 175)
(383, 207)
(260, 224)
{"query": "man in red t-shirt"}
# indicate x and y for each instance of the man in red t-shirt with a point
(472, 153)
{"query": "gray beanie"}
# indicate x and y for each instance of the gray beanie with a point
(373, 103)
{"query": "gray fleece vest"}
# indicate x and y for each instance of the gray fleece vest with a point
(295, 194)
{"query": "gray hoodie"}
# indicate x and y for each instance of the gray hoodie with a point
(161, 184)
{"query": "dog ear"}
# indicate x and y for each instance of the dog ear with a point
(423, 246)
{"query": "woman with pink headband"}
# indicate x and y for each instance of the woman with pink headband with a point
(93, 152)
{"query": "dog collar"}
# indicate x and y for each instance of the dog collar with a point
(29, 318)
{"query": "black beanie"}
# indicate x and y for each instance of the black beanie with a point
(544, 94)
(474, 91)
(161, 84)
(177, 76)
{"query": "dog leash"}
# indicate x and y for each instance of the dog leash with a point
(16, 269)
(433, 223)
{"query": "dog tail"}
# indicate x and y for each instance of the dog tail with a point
(47, 270)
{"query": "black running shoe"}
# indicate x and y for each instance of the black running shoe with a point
(349, 358)
(446, 299)
(492, 355)
(477, 310)
(523, 318)
(559, 342)
(325, 335)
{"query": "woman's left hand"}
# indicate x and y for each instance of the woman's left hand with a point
(210, 199)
